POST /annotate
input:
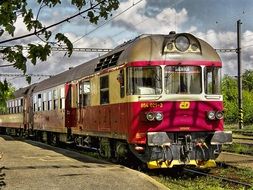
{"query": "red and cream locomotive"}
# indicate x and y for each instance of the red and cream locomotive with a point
(157, 97)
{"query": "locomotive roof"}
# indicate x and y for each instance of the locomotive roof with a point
(142, 48)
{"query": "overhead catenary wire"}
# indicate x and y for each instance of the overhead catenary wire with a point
(65, 49)
(93, 30)
(52, 25)
(86, 49)
(21, 75)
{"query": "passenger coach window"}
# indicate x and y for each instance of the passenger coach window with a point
(144, 80)
(55, 96)
(49, 103)
(84, 93)
(104, 90)
(44, 103)
(34, 103)
(183, 80)
(39, 102)
(212, 80)
(62, 99)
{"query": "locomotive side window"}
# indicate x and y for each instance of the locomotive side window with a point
(104, 90)
(144, 80)
(84, 93)
(121, 79)
(212, 80)
(183, 80)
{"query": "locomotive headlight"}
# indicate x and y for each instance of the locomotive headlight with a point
(159, 116)
(219, 115)
(182, 43)
(211, 115)
(150, 116)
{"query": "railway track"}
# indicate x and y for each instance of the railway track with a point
(225, 179)
(245, 133)
(245, 140)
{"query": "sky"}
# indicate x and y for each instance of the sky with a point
(210, 20)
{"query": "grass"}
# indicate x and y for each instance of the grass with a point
(246, 132)
(196, 182)
(238, 148)
(235, 128)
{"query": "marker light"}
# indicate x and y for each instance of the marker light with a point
(219, 115)
(150, 116)
(159, 116)
(211, 115)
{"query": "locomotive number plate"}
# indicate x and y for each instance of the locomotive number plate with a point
(151, 105)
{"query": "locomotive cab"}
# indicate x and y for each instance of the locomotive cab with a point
(176, 104)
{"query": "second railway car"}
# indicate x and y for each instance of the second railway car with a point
(157, 97)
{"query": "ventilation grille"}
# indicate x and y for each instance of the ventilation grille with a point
(108, 61)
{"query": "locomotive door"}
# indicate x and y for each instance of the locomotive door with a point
(70, 111)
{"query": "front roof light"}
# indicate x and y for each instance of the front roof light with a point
(182, 43)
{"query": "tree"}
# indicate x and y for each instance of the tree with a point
(6, 93)
(230, 98)
(247, 80)
(229, 91)
(10, 10)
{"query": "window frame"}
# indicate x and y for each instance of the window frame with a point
(187, 89)
(84, 97)
(104, 89)
(130, 87)
(215, 81)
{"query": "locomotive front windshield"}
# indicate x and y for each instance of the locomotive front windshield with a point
(144, 80)
(183, 80)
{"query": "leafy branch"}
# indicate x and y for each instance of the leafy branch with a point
(10, 10)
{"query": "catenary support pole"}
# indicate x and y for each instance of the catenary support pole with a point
(239, 77)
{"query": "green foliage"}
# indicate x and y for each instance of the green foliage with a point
(230, 97)
(38, 51)
(229, 91)
(6, 92)
(248, 106)
(247, 78)
(8, 13)
(61, 37)
(10, 10)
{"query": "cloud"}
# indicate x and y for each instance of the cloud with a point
(146, 17)
(228, 40)
(58, 61)
(135, 19)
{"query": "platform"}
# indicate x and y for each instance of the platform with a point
(30, 165)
